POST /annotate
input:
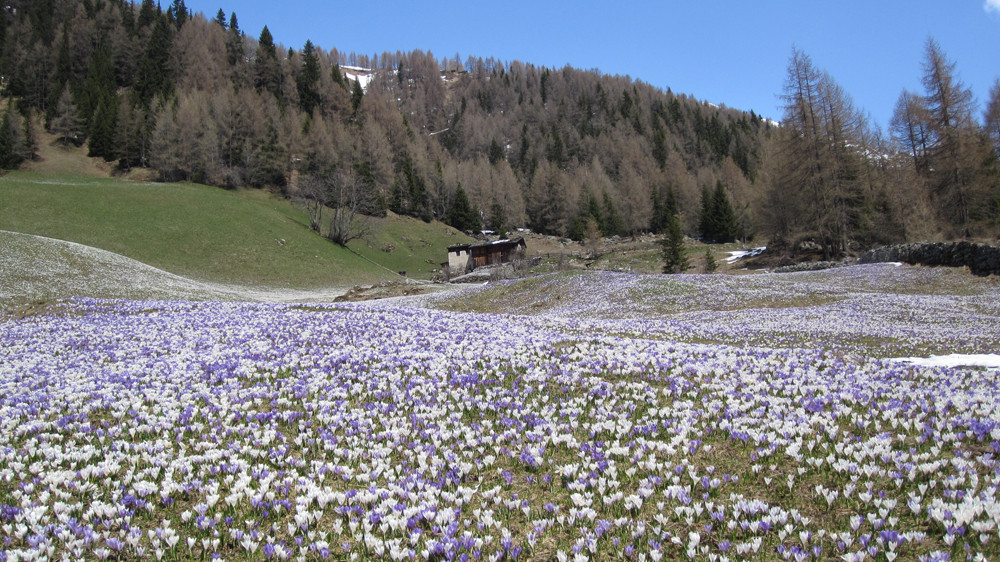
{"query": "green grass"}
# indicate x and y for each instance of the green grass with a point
(407, 244)
(246, 237)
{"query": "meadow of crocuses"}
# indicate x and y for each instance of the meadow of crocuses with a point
(717, 418)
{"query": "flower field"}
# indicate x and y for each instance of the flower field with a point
(631, 418)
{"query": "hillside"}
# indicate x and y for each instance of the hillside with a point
(36, 268)
(243, 237)
(186, 98)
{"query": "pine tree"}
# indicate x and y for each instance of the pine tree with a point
(234, 41)
(706, 220)
(63, 74)
(100, 85)
(462, 214)
(357, 94)
(710, 265)
(664, 206)
(656, 220)
(10, 151)
(102, 129)
(674, 254)
(267, 71)
(498, 219)
(307, 81)
(148, 13)
(220, 18)
(336, 77)
(589, 211)
(179, 13)
(612, 225)
(153, 76)
(724, 226)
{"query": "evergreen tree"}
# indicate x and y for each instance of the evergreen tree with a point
(100, 85)
(102, 129)
(41, 14)
(149, 13)
(153, 76)
(655, 220)
(62, 76)
(664, 206)
(706, 222)
(724, 218)
(10, 151)
(710, 265)
(336, 77)
(717, 220)
(267, 71)
(589, 212)
(612, 225)
(178, 13)
(234, 41)
(462, 214)
(357, 94)
(220, 18)
(498, 219)
(307, 81)
(674, 254)
(496, 152)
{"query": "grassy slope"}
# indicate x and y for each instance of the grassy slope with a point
(244, 237)
(410, 245)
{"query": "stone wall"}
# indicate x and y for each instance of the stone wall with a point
(981, 259)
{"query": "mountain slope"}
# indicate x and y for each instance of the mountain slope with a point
(244, 237)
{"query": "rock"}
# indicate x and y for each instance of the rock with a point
(981, 259)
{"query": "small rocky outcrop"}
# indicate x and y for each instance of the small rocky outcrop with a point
(981, 259)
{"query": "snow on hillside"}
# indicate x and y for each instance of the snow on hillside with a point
(38, 268)
(364, 76)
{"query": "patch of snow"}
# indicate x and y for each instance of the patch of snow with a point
(36, 267)
(740, 254)
(363, 79)
(988, 360)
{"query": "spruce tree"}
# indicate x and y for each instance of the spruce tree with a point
(357, 94)
(235, 52)
(148, 13)
(267, 71)
(723, 216)
(498, 220)
(153, 74)
(706, 218)
(664, 206)
(337, 77)
(462, 214)
(674, 254)
(10, 152)
(710, 265)
(613, 225)
(102, 129)
(655, 220)
(307, 81)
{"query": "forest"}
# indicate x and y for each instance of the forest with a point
(481, 143)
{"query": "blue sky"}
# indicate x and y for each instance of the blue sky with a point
(722, 51)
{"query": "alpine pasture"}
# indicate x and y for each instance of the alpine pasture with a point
(570, 416)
